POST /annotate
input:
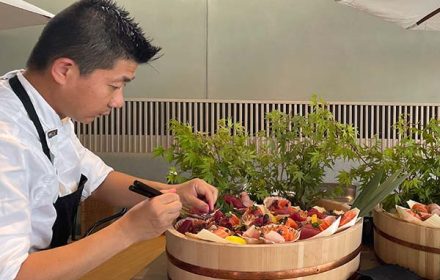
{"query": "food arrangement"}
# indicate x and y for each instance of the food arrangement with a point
(274, 221)
(421, 214)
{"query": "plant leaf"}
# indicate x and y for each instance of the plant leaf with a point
(382, 191)
(368, 191)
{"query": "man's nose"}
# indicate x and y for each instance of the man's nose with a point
(117, 100)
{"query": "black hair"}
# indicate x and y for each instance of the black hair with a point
(94, 34)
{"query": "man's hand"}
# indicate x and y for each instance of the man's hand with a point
(151, 217)
(197, 195)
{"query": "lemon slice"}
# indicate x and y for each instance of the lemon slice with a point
(273, 219)
(235, 239)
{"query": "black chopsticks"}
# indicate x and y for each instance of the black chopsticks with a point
(143, 189)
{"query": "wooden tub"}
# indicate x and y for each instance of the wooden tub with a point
(408, 245)
(334, 257)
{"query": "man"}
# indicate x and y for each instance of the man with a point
(77, 70)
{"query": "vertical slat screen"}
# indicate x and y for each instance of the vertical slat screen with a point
(143, 124)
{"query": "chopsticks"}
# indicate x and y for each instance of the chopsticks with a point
(143, 189)
(150, 192)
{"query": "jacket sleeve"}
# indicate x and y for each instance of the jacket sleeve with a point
(92, 166)
(15, 221)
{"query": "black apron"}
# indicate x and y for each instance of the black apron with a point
(66, 206)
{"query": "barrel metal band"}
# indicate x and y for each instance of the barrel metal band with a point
(406, 243)
(246, 275)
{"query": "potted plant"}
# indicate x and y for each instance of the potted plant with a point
(420, 159)
(397, 241)
(289, 160)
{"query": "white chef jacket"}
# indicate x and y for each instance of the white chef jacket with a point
(29, 182)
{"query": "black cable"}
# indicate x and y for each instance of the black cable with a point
(105, 220)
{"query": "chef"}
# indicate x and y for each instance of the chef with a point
(76, 71)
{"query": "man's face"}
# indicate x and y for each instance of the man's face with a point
(96, 94)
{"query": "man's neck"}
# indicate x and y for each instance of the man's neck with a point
(44, 86)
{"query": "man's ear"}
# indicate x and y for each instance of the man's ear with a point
(62, 68)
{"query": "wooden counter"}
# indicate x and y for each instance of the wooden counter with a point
(129, 262)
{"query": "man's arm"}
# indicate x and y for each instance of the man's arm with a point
(146, 220)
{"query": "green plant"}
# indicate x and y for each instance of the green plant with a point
(419, 160)
(289, 160)
(294, 155)
(224, 159)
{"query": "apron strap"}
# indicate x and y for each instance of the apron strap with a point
(19, 90)
(66, 206)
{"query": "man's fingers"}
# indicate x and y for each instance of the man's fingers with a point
(174, 207)
(208, 192)
(166, 203)
(199, 205)
(167, 198)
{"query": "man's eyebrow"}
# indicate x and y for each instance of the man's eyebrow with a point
(128, 79)
(124, 79)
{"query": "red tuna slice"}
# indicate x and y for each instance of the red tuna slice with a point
(233, 201)
(185, 226)
(299, 216)
(308, 231)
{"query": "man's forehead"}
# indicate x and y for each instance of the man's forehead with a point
(124, 70)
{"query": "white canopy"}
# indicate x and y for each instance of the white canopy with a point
(410, 14)
(18, 13)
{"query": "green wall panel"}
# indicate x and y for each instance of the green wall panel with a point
(290, 49)
(268, 49)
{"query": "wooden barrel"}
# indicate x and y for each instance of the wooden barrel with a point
(333, 257)
(409, 245)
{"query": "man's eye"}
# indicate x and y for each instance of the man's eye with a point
(118, 86)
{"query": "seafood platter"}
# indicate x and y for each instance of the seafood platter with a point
(410, 238)
(420, 214)
(272, 240)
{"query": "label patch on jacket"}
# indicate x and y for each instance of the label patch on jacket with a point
(52, 133)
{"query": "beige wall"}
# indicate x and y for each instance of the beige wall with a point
(268, 49)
